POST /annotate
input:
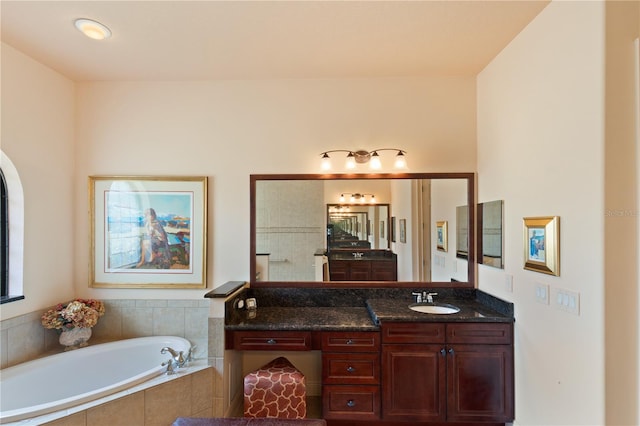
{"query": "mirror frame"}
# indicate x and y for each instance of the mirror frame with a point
(471, 260)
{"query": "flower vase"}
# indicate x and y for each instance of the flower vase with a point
(75, 338)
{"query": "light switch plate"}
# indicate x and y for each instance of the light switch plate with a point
(508, 283)
(567, 300)
(542, 293)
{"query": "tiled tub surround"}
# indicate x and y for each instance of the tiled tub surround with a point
(23, 338)
(84, 375)
(157, 402)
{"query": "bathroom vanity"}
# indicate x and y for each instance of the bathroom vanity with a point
(383, 363)
(362, 265)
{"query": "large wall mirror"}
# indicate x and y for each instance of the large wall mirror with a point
(337, 230)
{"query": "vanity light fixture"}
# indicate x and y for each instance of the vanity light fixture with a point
(357, 197)
(92, 29)
(361, 157)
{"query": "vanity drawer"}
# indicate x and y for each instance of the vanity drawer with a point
(481, 333)
(352, 369)
(272, 340)
(351, 402)
(351, 341)
(413, 332)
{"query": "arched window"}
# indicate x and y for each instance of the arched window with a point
(4, 237)
(12, 229)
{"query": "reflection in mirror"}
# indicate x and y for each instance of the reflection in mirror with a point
(296, 224)
(490, 234)
(462, 232)
(354, 225)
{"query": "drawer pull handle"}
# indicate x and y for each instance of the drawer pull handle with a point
(350, 369)
(350, 342)
(351, 403)
(271, 342)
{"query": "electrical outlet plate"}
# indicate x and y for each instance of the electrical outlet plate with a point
(542, 293)
(567, 300)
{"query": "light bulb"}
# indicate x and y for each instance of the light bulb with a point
(401, 161)
(92, 29)
(326, 162)
(342, 198)
(375, 161)
(373, 199)
(351, 161)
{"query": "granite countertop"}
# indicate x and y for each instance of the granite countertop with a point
(302, 319)
(398, 310)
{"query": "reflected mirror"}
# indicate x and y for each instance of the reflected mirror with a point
(490, 241)
(303, 235)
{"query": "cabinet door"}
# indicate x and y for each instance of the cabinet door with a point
(480, 383)
(339, 270)
(384, 271)
(360, 270)
(413, 382)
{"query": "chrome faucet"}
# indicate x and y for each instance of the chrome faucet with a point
(178, 357)
(424, 297)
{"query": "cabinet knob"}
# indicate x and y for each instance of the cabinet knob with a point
(271, 342)
(451, 352)
(350, 369)
(443, 352)
(351, 403)
(350, 342)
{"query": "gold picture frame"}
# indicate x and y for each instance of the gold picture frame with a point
(148, 231)
(442, 236)
(542, 244)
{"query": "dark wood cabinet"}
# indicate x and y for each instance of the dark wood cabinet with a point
(406, 372)
(414, 382)
(363, 270)
(351, 375)
(479, 383)
(452, 376)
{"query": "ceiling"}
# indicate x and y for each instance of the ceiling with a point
(208, 40)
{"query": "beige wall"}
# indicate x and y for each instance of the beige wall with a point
(225, 130)
(621, 217)
(38, 114)
(540, 149)
(228, 130)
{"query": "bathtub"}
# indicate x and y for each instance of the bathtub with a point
(71, 378)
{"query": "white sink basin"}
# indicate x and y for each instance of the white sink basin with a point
(434, 308)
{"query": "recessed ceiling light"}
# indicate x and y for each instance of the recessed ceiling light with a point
(92, 29)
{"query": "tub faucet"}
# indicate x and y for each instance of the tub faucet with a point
(177, 356)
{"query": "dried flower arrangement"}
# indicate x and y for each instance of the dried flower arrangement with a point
(81, 313)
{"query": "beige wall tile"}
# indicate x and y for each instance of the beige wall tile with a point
(168, 321)
(166, 402)
(202, 390)
(125, 411)
(205, 413)
(25, 342)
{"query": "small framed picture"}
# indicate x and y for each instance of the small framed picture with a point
(403, 230)
(542, 244)
(393, 229)
(442, 235)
